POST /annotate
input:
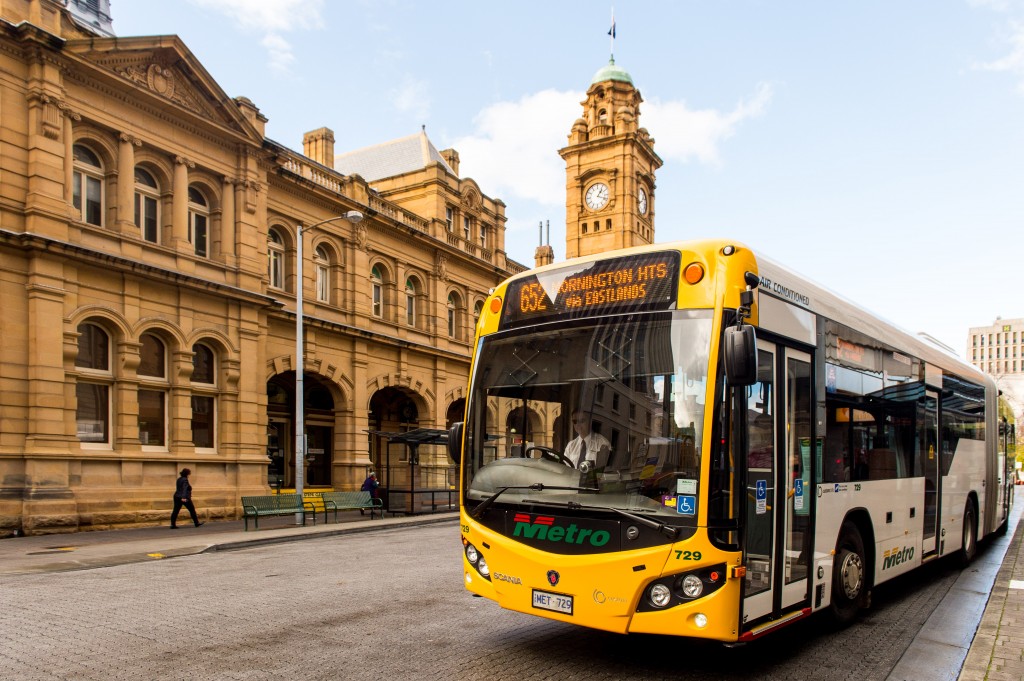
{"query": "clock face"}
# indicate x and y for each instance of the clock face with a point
(641, 202)
(597, 196)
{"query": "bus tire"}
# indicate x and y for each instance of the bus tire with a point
(969, 548)
(849, 575)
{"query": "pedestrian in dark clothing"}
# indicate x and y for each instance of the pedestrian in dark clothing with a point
(183, 497)
(370, 485)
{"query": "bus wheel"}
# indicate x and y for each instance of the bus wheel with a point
(848, 575)
(970, 545)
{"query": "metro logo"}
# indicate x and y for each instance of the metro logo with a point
(896, 556)
(543, 527)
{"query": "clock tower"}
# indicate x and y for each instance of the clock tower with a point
(609, 169)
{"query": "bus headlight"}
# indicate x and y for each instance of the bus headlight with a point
(659, 595)
(701, 620)
(692, 586)
(477, 560)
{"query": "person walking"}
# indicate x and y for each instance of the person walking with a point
(183, 497)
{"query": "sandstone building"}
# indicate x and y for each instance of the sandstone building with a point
(147, 276)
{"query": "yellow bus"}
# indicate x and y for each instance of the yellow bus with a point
(690, 439)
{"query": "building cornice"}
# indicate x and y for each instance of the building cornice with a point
(29, 242)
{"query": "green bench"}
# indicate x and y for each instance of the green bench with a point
(275, 504)
(349, 501)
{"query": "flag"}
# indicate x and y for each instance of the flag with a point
(611, 31)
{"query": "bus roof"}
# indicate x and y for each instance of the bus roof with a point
(785, 284)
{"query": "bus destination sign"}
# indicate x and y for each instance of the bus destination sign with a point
(630, 283)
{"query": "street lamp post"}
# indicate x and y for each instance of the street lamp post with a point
(352, 216)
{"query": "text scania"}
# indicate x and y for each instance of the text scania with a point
(543, 527)
(894, 557)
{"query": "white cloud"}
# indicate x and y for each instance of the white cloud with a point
(279, 52)
(270, 18)
(997, 5)
(684, 134)
(1013, 62)
(512, 154)
(412, 96)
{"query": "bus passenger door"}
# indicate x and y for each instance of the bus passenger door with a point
(799, 439)
(759, 532)
(928, 466)
(777, 531)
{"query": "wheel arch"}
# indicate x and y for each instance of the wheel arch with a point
(861, 519)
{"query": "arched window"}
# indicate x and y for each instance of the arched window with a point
(153, 389)
(376, 292)
(454, 322)
(147, 206)
(323, 274)
(275, 259)
(477, 309)
(87, 185)
(92, 390)
(602, 117)
(198, 222)
(204, 397)
(410, 301)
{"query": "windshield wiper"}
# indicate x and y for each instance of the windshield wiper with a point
(669, 531)
(478, 512)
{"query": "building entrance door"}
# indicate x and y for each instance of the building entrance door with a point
(319, 453)
(279, 444)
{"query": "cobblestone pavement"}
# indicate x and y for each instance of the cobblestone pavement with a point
(388, 604)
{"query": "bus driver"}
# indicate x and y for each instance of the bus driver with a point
(587, 444)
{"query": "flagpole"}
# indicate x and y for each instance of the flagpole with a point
(611, 41)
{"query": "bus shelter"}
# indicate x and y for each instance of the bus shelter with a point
(415, 481)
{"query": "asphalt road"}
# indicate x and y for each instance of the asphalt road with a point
(388, 605)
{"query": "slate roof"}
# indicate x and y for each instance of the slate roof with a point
(388, 159)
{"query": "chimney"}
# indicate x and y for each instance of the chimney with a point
(544, 255)
(451, 157)
(252, 114)
(319, 146)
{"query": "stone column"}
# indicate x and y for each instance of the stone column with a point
(126, 183)
(179, 202)
(179, 407)
(69, 160)
(227, 222)
(125, 395)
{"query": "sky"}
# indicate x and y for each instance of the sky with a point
(875, 147)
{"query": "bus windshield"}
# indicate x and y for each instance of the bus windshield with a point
(604, 413)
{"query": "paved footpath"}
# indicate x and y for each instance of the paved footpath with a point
(976, 632)
(104, 548)
(997, 652)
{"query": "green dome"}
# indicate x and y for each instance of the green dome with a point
(611, 72)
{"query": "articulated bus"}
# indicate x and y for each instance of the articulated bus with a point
(690, 439)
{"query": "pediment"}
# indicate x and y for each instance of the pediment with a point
(166, 69)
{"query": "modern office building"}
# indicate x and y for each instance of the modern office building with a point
(998, 350)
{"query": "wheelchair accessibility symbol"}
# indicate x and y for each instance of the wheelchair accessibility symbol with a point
(761, 497)
(686, 505)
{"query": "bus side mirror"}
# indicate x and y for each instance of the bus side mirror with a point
(455, 442)
(740, 355)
